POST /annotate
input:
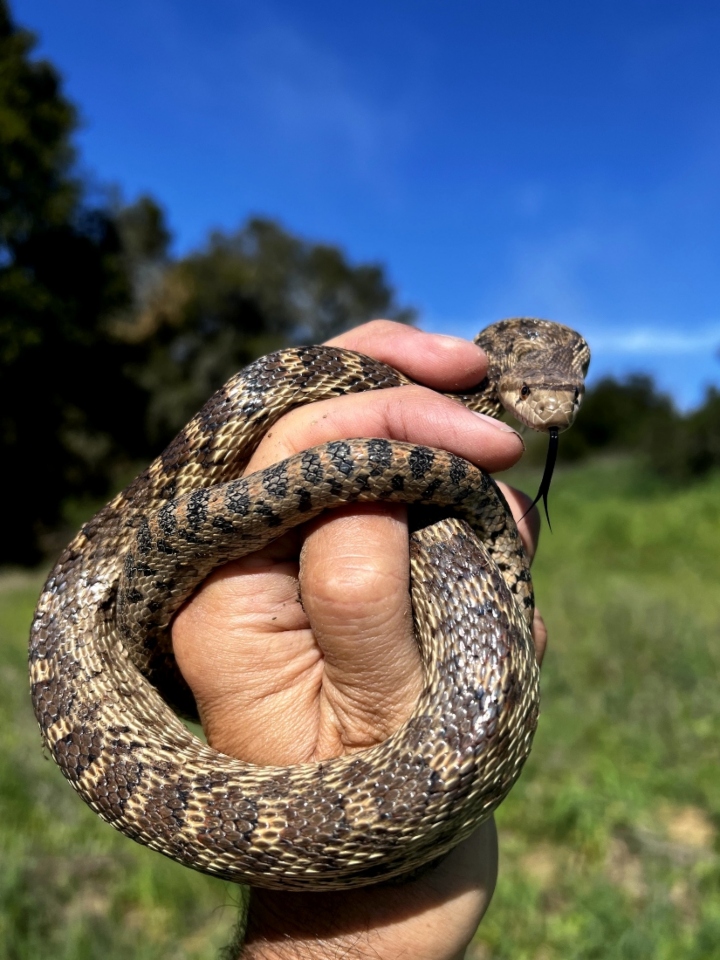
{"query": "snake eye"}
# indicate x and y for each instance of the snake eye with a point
(525, 391)
(577, 394)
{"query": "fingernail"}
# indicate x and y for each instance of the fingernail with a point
(498, 424)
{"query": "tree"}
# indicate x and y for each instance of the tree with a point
(60, 271)
(632, 417)
(107, 344)
(208, 314)
(690, 448)
(619, 416)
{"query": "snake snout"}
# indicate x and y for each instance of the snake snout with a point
(555, 409)
(543, 409)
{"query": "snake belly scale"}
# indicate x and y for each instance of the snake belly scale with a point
(103, 675)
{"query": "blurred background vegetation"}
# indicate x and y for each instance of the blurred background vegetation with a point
(108, 344)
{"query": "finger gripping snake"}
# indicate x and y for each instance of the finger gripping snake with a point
(104, 678)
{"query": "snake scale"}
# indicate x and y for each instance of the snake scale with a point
(103, 675)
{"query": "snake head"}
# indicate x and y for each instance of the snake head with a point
(539, 401)
(540, 371)
(539, 368)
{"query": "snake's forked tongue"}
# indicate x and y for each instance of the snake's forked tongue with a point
(544, 487)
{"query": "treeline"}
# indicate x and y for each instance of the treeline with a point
(631, 417)
(108, 343)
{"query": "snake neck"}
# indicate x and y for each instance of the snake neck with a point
(483, 398)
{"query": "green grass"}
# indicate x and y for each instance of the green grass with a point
(71, 888)
(609, 841)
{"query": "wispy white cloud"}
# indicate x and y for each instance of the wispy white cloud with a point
(268, 85)
(309, 94)
(617, 339)
(653, 341)
(553, 273)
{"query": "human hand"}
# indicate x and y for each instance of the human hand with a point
(281, 682)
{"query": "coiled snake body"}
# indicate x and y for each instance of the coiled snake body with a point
(100, 655)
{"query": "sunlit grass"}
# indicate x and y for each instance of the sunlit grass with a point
(609, 841)
(71, 888)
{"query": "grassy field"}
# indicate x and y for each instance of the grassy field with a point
(609, 841)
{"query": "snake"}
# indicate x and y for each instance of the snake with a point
(109, 697)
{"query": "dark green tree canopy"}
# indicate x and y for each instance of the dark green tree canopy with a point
(60, 274)
(632, 417)
(619, 415)
(108, 344)
(243, 295)
(35, 125)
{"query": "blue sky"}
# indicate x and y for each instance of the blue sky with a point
(555, 159)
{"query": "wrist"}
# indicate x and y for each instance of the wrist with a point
(328, 926)
(431, 917)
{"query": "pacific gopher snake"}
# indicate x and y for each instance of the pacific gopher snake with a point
(100, 650)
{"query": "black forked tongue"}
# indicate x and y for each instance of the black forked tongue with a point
(544, 487)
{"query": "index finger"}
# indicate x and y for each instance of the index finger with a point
(434, 359)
